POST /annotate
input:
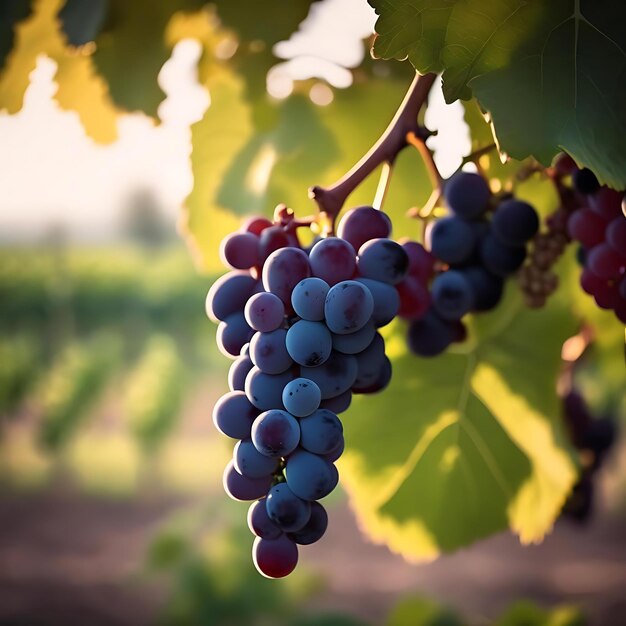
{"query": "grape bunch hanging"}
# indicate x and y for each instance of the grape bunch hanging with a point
(302, 327)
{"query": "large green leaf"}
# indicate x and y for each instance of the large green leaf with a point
(216, 139)
(550, 73)
(465, 444)
(565, 90)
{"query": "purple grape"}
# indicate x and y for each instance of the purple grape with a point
(264, 312)
(259, 522)
(386, 300)
(362, 224)
(349, 305)
(268, 351)
(310, 476)
(338, 404)
(499, 258)
(242, 488)
(451, 239)
(356, 342)
(321, 432)
(289, 512)
(515, 222)
(452, 294)
(467, 194)
(301, 397)
(383, 260)
(314, 529)
(233, 333)
(333, 260)
(238, 371)
(233, 415)
(309, 343)
(275, 433)
(248, 461)
(430, 335)
(240, 250)
(283, 270)
(265, 391)
(333, 377)
(229, 294)
(275, 558)
(308, 298)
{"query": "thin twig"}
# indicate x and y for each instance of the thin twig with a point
(383, 186)
(331, 199)
(419, 143)
(473, 157)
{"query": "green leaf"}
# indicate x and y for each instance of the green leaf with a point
(481, 448)
(418, 611)
(526, 613)
(561, 93)
(223, 131)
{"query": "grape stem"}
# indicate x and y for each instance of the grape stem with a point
(331, 199)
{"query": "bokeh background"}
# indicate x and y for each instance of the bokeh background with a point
(111, 505)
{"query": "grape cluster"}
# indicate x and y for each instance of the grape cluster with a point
(470, 257)
(593, 437)
(301, 327)
(599, 225)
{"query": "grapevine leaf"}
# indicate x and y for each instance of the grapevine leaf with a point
(483, 448)
(216, 139)
(526, 613)
(79, 88)
(560, 93)
(81, 21)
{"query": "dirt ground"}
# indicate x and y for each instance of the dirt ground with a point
(74, 559)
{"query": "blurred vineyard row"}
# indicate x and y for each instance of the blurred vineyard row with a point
(101, 352)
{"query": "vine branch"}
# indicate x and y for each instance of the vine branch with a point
(330, 199)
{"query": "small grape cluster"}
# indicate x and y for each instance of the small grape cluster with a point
(593, 437)
(599, 225)
(470, 257)
(302, 328)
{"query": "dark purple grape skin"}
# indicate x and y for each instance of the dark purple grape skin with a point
(386, 301)
(452, 240)
(229, 294)
(499, 258)
(515, 222)
(383, 260)
(250, 462)
(310, 476)
(240, 250)
(283, 270)
(275, 558)
(238, 371)
(268, 351)
(382, 380)
(333, 377)
(338, 404)
(242, 488)
(275, 433)
(270, 240)
(348, 307)
(265, 391)
(487, 287)
(429, 336)
(321, 432)
(314, 529)
(585, 181)
(234, 414)
(467, 194)
(233, 333)
(361, 224)
(453, 295)
(332, 259)
(259, 522)
(288, 511)
(264, 312)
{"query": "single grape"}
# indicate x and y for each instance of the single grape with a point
(308, 298)
(386, 301)
(275, 558)
(616, 235)
(269, 353)
(248, 461)
(332, 259)
(275, 433)
(362, 224)
(585, 181)
(608, 297)
(243, 488)
(233, 415)
(421, 262)
(256, 224)
(348, 307)
(240, 250)
(233, 333)
(451, 239)
(605, 262)
(381, 382)
(429, 336)
(467, 194)
(587, 227)
(335, 454)
(283, 270)
(415, 299)
(335, 376)
(338, 404)
(239, 370)
(591, 283)
(321, 432)
(272, 239)
(486, 287)
(607, 203)
(383, 260)
(264, 312)
(229, 294)
(499, 258)
(310, 476)
(259, 522)
(301, 397)
(515, 222)
(265, 391)
(453, 295)
(288, 511)
(314, 529)
(369, 363)
(356, 342)
(309, 343)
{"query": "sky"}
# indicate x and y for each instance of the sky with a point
(52, 174)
